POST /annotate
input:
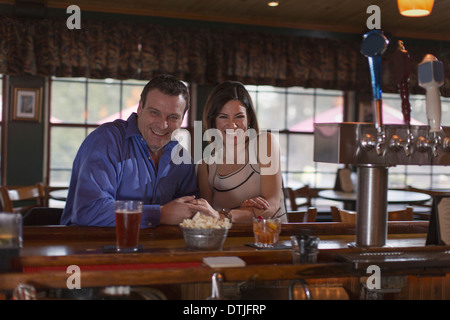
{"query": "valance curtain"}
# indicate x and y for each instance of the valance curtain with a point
(205, 55)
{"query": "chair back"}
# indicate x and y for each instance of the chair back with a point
(406, 214)
(22, 199)
(347, 216)
(303, 193)
(335, 215)
(426, 191)
(309, 215)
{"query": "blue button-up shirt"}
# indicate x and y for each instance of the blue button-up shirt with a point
(114, 163)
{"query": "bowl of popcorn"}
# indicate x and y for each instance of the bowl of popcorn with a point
(204, 232)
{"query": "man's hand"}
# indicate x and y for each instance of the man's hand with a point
(177, 210)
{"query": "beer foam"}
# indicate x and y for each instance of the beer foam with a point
(202, 221)
(126, 211)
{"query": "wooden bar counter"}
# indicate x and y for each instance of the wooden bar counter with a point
(48, 251)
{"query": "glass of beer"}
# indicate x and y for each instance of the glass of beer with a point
(128, 222)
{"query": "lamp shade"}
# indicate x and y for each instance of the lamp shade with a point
(415, 8)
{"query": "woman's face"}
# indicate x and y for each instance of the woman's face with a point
(231, 118)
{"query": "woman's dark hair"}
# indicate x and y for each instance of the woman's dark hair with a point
(223, 93)
(168, 85)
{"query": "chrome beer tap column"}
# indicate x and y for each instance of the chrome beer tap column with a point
(431, 77)
(373, 46)
(371, 222)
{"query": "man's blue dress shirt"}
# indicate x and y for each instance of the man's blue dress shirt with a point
(114, 163)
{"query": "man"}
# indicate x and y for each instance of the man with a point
(131, 160)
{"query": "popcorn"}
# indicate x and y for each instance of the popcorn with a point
(201, 221)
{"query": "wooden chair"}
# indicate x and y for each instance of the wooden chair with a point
(303, 193)
(302, 216)
(22, 199)
(406, 214)
(426, 191)
(335, 215)
(347, 216)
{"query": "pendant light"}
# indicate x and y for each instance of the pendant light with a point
(415, 8)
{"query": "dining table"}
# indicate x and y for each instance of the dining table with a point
(349, 199)
(59, 194)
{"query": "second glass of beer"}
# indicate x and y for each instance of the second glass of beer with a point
(128, 222)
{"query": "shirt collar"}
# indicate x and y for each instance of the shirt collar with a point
(132, 128)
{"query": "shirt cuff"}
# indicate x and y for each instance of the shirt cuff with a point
(151, 216)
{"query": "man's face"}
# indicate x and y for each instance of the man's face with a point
(159, 117)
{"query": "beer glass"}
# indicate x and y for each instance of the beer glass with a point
(128, 221)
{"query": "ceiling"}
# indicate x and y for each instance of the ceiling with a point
(347, 16)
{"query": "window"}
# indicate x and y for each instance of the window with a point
(77, 107)
(293, 111)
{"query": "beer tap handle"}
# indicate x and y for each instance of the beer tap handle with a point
(402, 71)
(373, 46)
(431, 77)
(216, 287)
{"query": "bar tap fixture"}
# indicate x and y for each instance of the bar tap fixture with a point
(402, 71)
(374, 149)
(431, 76)
(374, 44)
(216, 287)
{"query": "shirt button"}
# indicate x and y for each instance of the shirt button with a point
(149, 224)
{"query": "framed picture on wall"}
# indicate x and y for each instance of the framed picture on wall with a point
(26, 104)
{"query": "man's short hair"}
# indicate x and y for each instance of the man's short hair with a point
(168, 85)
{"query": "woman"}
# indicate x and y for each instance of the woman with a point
(234, 175)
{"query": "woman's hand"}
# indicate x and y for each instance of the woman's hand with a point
(203, 206)
(257, 202)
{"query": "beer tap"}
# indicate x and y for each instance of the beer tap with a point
(216, 287)
(402, 71)
(431, 77)
(373, 46)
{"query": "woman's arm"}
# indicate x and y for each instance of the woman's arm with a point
(205, 190)
(268, 158)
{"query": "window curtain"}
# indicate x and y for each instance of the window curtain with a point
(205, 55)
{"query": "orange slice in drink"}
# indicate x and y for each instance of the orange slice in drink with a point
(272, 225)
